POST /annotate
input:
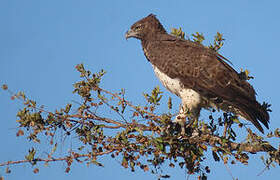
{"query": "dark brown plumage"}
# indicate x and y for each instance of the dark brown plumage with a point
(203, 77)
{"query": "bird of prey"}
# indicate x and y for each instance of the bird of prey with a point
(198, 75)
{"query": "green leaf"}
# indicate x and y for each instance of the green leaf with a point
(244, 75)
(178, 33)
(30, 156)
(218, 42)
(198, 37)
(67, 108)
(155, 96)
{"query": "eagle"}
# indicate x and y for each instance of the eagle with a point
(200, 76)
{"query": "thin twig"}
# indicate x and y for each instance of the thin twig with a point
(228, 170)
(128, 103)
(75, 156)
(225, 130)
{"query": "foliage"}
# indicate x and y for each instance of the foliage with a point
(218, 42)
(138, 136)
(199, 38)
(178, 32)
(245, 74)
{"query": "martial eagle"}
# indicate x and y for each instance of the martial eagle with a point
(197, 74)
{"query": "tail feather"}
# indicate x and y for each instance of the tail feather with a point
(255, 113)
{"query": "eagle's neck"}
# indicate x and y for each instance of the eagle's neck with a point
(144, 43)
(148, 39)
(153, 35)
(145, 46)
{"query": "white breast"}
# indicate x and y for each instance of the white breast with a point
(189, 97)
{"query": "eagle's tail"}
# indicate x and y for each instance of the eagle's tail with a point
(256, 113)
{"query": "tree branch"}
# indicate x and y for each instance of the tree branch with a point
(66, 158)
(213, 140)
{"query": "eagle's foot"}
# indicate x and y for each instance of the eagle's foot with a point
(187, 119)
(181, 120)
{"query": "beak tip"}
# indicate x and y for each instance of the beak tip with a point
(126, 35)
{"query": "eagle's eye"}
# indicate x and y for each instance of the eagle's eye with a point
(139, 27)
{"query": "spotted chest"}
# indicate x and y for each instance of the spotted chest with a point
(189, 97)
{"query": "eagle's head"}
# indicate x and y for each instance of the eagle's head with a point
(145, 28)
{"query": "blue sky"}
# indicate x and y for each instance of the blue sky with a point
(42, 41)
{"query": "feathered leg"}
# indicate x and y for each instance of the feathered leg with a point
(192, 113)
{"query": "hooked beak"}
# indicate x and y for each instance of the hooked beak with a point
(130, 33)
